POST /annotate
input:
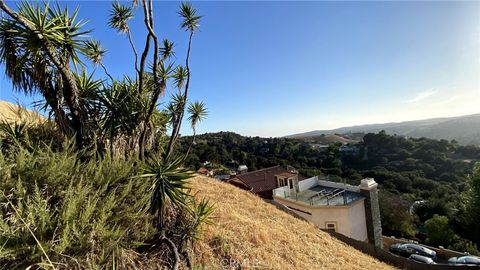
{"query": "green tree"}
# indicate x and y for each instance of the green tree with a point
(395, 216)
(472, 203)
(439, 231)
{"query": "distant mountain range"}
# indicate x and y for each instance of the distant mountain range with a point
(463, 129)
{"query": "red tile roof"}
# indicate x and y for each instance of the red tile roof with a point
(203, 170)
(286, 174)
(264, 179)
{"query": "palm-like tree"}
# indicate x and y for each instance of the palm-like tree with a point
(121, 108)
(118, 19)
(167, 50)
(38, 45)
(197, 112)
(93, 50)
(179, 76)
(190, 23)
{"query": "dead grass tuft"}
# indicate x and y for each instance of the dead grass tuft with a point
(251, 234)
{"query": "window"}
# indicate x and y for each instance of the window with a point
(331, 226)
(282, 182)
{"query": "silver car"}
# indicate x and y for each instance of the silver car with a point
(421, 259)
(465, 260)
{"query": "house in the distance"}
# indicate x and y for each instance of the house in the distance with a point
(350, 210)
(205, 171)
(242, 169)
(348, 149)
(263, 182)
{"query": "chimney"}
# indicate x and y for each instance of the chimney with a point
(368, 188)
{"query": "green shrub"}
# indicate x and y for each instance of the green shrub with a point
(87, 210)
(59, 212)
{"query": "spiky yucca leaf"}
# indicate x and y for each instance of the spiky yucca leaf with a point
(168, 184)
(119, 17)
(191, 21)
(93, 50)
(197, 112)
(167, 50)
(179, 76)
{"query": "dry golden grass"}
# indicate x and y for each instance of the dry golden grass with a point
(253, 234)
(11, 113)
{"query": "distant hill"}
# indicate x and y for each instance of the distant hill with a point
(464, 129)
(327, 139)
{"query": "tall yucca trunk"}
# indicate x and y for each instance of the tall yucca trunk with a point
(178, 123)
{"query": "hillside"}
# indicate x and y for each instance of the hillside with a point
(251, 231)
(327, 139)
(464, 129)
(12, 112)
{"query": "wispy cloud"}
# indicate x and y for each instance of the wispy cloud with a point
(446, 102)
(422, 95)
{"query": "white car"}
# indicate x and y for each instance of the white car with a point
(421, 259)
(465, 260)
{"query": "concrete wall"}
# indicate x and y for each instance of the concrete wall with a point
(282, 191)
(358, 223)
(339, 185)
(307, 183)
(350, 219)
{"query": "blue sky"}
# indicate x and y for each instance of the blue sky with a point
(277, 68)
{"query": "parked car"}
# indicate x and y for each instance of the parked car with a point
(408, 249)
(421, 259)
(465, 260)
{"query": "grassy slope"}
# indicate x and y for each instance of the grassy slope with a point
(11, 112)
(257, 235)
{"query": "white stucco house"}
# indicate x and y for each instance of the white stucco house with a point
(350, 210)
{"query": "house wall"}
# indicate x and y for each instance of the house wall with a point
(350, 219)
(282, 191)
(358, 223)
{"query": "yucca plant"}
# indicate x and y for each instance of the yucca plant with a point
(14, 133)
(190, 23)
(84, 209)
(168, 185)
(38, 45)
(200, 213)
(118, 19)
(197, 112)
(93, 50)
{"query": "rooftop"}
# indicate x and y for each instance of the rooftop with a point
(320, 193)
(264, 179)
(286, 174)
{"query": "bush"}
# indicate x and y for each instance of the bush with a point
(395, 215)
(438, 230)
(54, 207)
(464, 245)
(57, 210)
